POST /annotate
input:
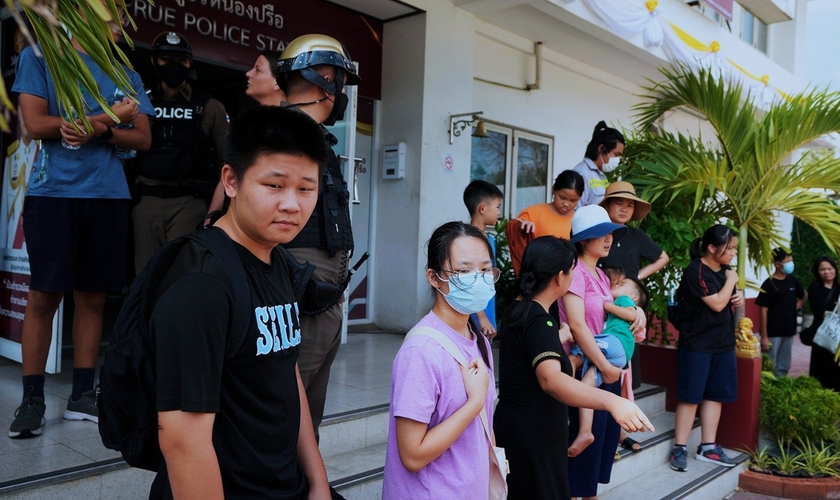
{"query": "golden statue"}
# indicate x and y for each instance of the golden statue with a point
(746, 343)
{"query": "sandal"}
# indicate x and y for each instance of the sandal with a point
(631, 444)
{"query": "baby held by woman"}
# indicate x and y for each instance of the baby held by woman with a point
(616, 342)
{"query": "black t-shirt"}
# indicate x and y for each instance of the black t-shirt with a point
(822, 299)
(627, 251)
(704, 330)
(779, 297)
(253, 391)
(520, 353)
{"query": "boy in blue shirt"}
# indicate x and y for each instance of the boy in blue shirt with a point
(75, 218)
(484, 202)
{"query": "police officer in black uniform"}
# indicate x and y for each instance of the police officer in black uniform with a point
(177, 176)
(313, 71)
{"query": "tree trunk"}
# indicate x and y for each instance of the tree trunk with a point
(740, 311)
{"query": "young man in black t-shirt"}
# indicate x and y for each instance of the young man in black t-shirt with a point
(780, 297)
(237, 425)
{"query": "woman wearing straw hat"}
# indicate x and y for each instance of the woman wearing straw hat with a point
(582, 307)
(627, 253)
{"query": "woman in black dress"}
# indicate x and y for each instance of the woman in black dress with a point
(822, 296)
(535, 383)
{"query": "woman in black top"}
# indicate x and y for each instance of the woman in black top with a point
(536, 383)
(822, 296)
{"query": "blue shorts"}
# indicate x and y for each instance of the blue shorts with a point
(613, 350)
(703, 376)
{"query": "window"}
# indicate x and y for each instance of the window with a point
(709, 13)
(753, 30)
(517, 161)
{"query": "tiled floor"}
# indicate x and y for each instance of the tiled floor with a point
(361, 377)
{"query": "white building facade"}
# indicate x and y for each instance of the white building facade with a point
(543, 72)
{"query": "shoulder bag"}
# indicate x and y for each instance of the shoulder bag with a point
(828, 334)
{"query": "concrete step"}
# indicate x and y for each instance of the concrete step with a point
(656, 480)
(650, 399)
(353, 430)
(656, 449)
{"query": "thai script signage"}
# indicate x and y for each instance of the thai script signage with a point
(234, 32)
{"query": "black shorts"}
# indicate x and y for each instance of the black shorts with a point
(704, 376)
(76, 243)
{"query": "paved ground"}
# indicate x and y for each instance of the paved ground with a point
(800, 358)
(746, 495)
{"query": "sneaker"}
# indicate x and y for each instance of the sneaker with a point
(715, 456)
(83, 408)
(29, 418)
(679, 458)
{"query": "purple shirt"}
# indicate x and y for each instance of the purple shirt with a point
(595, 292)
(427, 386)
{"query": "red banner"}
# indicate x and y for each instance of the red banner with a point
(232, 32)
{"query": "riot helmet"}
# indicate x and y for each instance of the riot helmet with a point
(304, 53)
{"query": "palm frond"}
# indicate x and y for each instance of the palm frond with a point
(748, 176)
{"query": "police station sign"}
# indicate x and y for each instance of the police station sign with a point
(233, 32)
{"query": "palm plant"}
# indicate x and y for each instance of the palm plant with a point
(750, 173)
(53, 23)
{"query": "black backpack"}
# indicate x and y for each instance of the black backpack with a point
(127, 392)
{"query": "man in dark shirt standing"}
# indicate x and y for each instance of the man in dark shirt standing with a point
(780, 297)
(236, 425)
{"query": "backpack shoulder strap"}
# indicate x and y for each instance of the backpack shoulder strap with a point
(453, 351)
(220, 244)
(441, 339)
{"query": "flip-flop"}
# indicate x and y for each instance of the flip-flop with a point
(629, 443)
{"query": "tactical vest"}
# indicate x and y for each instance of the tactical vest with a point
(329, 226)
(180, 151)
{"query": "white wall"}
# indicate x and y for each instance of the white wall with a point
(427, 76)
(429, 65)
(572, 98)
(395, 275)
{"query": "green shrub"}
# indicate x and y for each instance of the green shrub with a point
(798, 409)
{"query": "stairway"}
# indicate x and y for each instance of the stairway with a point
(354, 452)
(353, 445)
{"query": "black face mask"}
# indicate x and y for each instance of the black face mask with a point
(173, 74)
(339, 105)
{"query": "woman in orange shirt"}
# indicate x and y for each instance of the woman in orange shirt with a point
(555, 218)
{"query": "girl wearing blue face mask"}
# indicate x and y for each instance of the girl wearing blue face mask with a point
(437, 444)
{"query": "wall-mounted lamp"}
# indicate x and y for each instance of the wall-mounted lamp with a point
(457, 126)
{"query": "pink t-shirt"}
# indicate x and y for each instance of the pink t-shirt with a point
(427, 386)
(595, 292)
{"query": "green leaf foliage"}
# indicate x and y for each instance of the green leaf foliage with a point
(799, 408)
(672, 223)
(749, 172)
(53, 24)
(807, 245)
